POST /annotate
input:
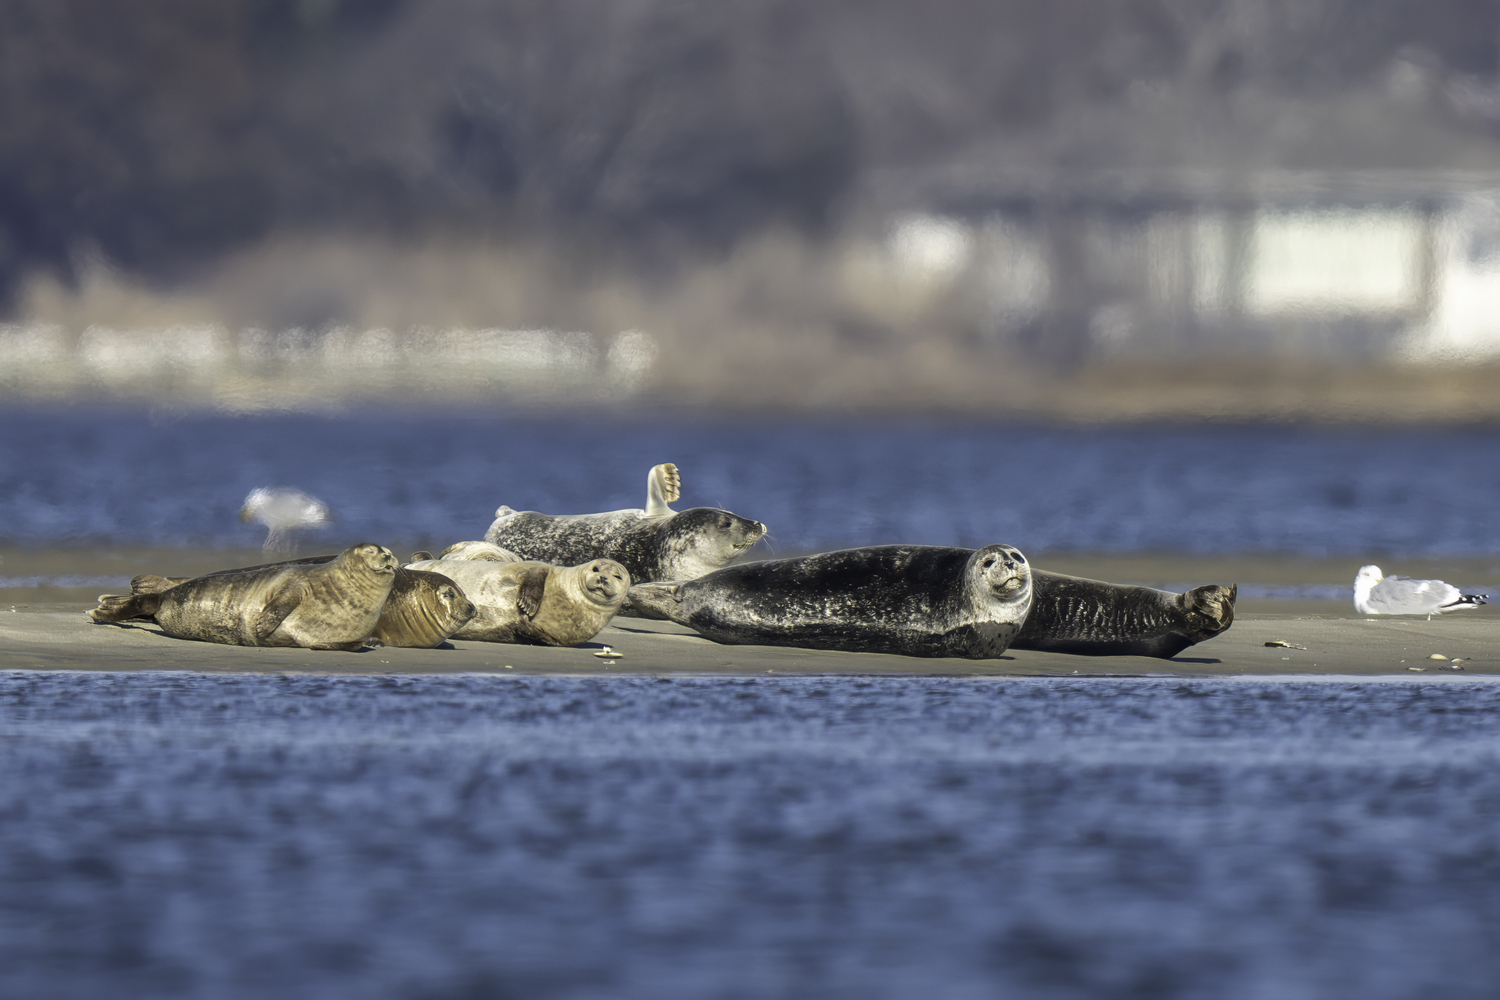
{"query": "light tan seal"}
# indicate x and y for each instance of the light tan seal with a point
(536, 603)
(331, 605)
(421, 612)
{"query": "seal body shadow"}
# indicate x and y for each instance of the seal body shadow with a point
(330, 605)
(1073, 615)
(536, 603)
(915, 600)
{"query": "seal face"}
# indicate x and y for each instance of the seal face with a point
(422, 610)
(1072, 615)
(917, 600)
(536, 603)
(655, 543)
(328, 605)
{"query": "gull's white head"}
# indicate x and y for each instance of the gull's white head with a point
(1365, 581)
(281, 511)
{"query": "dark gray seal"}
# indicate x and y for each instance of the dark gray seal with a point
(1072, 615)
(917, 600)
(330, 605)
(536, 603)
(656, 543)
(422, 610)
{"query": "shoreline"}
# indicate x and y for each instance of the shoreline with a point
(46, 627)
(59, 636)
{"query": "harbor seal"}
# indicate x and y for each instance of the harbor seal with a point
(1072, 615)
(536, 603)
(917, 600)
(656, 543)
(331, 605)
(477, 550)
(422, 610)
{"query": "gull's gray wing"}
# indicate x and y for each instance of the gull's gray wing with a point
(1401, 595)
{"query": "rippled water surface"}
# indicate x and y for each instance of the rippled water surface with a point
(76, 476)
(473, 836)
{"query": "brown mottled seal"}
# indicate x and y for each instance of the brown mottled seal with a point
(422, 611)
(657, 543)
(331, 605)
(1073, 615)
(534, 602)
(917, 600)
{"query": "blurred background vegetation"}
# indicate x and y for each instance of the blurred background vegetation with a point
(1139, 208)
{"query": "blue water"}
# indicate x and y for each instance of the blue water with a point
(205, 836)
(75, 476)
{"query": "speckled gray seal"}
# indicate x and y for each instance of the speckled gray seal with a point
(330, 605)
(536, 603)
(656, 543)
(1072, 615)
(422, 610)
(918, 600)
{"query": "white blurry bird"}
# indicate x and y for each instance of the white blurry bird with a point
(1375, 594)
(283, 511)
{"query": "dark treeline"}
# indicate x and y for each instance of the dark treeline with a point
(159, 133)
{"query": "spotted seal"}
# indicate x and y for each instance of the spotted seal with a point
(657, 543)
(1072, 615)
(421, 612)
(536, 603)
(917, 600)
(330, 605)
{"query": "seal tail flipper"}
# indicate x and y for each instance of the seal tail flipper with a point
(419, 556)
(1213, 602)
(663, 486)
(503, 511)
(150, 583)
(657, 600)
(119, 609)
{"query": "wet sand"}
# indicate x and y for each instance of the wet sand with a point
(45, 627)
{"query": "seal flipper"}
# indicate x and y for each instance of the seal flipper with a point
(150, 583)
(119, 609)
(419, 556)
(529, 590)
(1211, 602)
(663, 486)
(276, 610)
(657, 600)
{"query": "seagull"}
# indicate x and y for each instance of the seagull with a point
(1375, 594)
(283, 511)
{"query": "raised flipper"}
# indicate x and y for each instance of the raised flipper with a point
(276, 610)
(420, 555)
(663, 486)
(119, 609)
(1212, 602)
(529, 591)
